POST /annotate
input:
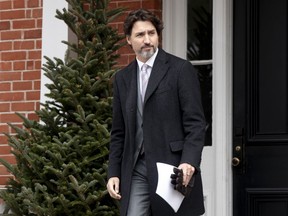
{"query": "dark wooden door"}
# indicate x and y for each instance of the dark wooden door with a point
(260, 108)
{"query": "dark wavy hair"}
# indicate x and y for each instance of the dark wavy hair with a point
(142, 15)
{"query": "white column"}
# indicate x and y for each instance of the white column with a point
(175, 27)
(53, 32)
(222, 105)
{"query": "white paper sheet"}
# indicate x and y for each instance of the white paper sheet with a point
(165, 188)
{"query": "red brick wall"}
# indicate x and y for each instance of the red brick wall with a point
(20, 60)
(20, 64)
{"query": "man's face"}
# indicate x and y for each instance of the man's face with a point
(143, 39)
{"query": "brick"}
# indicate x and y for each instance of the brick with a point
(33, 95)
(6, 45)
(5, 25)
(10, 117)
(123, 60)
(37, 64)
(23, 24)
(32, 75)
(22, 85)
(33, 116)
(18, 4)
(5, 66)
(31, 34)
(122, 16)
(24, 45)
(39, 23)
(4, 179)
(5, 149)
(28, 13)
(23, 106)
(12, 56)
(5, 5)
(131, 57)
(37, 85)
(4, 128)
(12, 96)
(19, 65)
(37, 106)
(9, 158)
(19, 125)
(4, 107)
(120, 28)
(12, 14)
(34, 54)
(37, 13)
(33, 3)
(5, 87)
(10, 76)
(3, 170)
(38, 44)
(131, 5)
(30, 65)
(152, 4)
(125, 49)
(3, 139)
(112, 5)
(11, 35)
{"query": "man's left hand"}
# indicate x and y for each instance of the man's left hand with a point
(188, 172)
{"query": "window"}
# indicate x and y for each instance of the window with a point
(199, 52)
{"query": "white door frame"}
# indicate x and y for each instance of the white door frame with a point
(216, 165)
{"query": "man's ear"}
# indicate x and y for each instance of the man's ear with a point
(128, 40)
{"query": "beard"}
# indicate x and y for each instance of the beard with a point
(147, 54)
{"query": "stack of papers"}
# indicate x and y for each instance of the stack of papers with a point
(164, 187)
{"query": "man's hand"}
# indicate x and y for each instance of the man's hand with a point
(113, 187)
(188, 172)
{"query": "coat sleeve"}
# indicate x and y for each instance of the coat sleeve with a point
(117, 135)
(192, 115)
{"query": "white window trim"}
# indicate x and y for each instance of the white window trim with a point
(216, 165)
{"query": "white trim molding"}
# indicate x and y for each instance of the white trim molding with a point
(222, 105)
(175, 26)
(54, 31)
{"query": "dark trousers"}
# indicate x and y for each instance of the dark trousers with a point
(139, 203)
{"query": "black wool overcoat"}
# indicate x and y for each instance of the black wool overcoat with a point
(173, 128)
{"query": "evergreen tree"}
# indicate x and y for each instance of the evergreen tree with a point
(62, 159)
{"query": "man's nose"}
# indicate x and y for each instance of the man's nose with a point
(146, 39)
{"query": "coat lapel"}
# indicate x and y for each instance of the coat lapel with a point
(160, 68)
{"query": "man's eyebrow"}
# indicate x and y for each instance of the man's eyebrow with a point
(141, 32)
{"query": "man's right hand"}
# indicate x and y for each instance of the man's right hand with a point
(113, 187)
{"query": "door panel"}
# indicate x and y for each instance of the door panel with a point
(260, 98)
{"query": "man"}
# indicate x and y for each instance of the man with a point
(156, 118)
